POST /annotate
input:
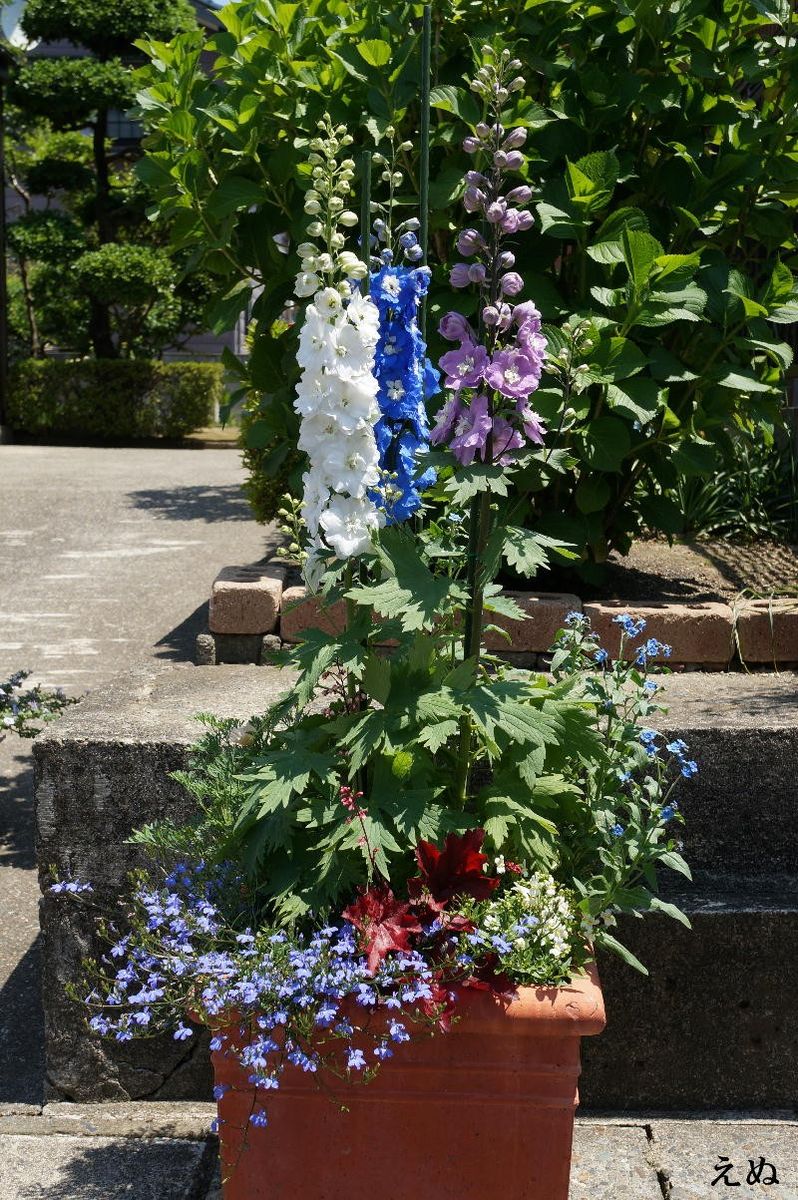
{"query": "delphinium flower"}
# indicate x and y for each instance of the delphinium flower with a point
(407, 379)
(495, 367)
(336, 394)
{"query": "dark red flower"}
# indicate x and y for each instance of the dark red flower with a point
(457, 870)
(384, 922)
(441, 1005)
(487, 979)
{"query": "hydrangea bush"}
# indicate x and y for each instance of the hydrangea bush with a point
(413, 818)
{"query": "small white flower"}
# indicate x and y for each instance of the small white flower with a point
(328, 301)
(348, 525)
(307, 283)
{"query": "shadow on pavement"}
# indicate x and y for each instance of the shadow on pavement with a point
(178, 644)
(16, 803)
(197, 502)
(22, 1033)
(113, 1169)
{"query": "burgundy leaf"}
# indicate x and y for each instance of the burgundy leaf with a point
(457, 870)
(384, 923)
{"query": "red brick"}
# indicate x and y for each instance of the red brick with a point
(767, 630)
(547, 612)
(698, 631)
(301, 611)
(246, 599)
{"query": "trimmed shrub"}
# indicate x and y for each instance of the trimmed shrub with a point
(661, 144)
(110, 399)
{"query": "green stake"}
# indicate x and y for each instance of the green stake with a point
(426, 71)
(365, 215)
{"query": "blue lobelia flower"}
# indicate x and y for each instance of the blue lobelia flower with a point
(407, 380)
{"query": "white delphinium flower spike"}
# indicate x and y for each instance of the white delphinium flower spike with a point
(336, 394)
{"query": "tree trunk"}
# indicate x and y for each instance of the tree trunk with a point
(99, 316)
(36, 347)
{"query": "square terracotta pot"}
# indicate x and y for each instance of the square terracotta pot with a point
(486, 1110)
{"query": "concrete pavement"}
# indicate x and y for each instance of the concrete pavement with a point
(163, 1152)
(107, 555)
(107, 552)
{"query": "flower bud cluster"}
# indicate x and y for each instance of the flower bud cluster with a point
(495, 369)
(326, 203)
(384, 249)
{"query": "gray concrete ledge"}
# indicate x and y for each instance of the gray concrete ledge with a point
(708, 1029)
(143, 1119)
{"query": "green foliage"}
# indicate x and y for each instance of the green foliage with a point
(662, 149)
(755, 497)
(106, 27)
(112, 399)
(48, 236)
(69, 91)
(558, 774)
(55, 162)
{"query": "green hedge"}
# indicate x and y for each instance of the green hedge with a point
(125, 398)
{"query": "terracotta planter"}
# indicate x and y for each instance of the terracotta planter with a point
(486, 1110)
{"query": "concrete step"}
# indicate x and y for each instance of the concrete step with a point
(712, 1026)
(707, 1029)
(741, 810)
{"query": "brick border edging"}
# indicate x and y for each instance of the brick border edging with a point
(252, 612)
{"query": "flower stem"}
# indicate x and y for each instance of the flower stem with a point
(365, 216)
(426, 71)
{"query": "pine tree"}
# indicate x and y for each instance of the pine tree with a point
(117, 272)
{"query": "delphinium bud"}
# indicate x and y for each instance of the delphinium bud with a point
(470, 241)
(511, 283)
(455, 328)
(473, 199)
(520, 195)
(496, 210)
(515, 139)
